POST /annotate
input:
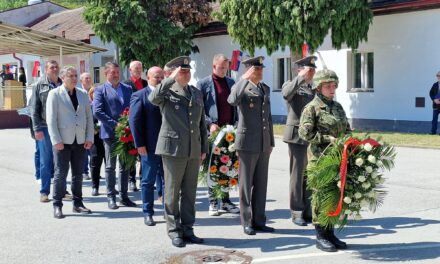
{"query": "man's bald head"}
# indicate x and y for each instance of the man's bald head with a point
(155, 75)
(135, 69)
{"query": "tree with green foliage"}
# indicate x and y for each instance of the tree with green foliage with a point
(152, 31)
(276, 24)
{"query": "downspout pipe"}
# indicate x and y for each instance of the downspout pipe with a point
(17, 58)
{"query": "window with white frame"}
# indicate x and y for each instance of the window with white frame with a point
(282, 72)
(362, 71)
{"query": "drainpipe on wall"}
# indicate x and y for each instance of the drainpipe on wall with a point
(17, 58)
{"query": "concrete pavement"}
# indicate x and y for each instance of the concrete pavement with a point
(406, 228)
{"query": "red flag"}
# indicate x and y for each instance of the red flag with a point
(236, 59)
(35, 69)
(305, 50)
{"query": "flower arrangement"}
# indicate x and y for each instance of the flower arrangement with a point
(349, 178)
(124, 145)
(220, 168)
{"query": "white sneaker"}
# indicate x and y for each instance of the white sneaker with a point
(229, 207)
(213, 210)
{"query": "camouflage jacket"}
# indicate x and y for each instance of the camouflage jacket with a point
(321, 119)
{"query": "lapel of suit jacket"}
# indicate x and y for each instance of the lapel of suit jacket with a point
(212, 89)
(112, 91)
(65, 98)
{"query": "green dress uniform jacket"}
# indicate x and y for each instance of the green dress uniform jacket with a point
(254, 142)
(297, 94)
(182, 139)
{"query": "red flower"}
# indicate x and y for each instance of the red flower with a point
(133, 152)
(130, 138)
(127, 129)
(126, 112)
(124, 139)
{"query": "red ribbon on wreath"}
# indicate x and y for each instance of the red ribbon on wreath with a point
(343, 168)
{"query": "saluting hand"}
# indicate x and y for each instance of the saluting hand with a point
(247, 75)
(307, 73)
(175, 72)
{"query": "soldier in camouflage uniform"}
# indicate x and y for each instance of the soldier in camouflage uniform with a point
(322, 121)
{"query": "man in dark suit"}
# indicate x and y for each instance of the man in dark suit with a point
(145, 121)
(218, 112)
(182, 144)
(434, 94)
(109, 101)
(136, 83)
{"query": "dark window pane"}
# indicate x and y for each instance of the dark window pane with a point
(280, 73)
(289, 68)
(357, 70)
(370, 70)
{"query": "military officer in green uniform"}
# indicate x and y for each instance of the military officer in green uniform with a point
(254, 142)
(322, 121)
(182, 143)
(298, 93)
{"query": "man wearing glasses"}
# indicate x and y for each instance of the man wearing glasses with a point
(435, 97)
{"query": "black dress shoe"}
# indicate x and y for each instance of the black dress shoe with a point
(95, 192)
(265, 228)
(325, 245)
(330, 236)
(81, 209)
(193, 239)
(127, 202)
(57, 212)
(132, 187)
(178, 242)
(248, 230)
(112, 203)
(149, 221)
(299, 221)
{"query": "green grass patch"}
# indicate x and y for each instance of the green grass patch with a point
(397, 139)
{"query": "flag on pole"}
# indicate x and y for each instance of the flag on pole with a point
(35, 69)
(305, 50)
(236, 59)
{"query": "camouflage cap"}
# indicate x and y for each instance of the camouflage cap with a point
(324, 76)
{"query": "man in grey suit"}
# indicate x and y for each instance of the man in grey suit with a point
(298, 93)
(70, 125)
(218, 112)
(182, 143)
(254, 142)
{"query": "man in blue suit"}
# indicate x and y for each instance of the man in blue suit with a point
(145, 121)
(218, 112)
(109, 101)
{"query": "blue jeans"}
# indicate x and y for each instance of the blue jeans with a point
(159, 184)
(46, 161)
(37, 161)
(435, 113)
(151, 167)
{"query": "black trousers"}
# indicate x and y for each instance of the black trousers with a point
(72, 154)
(97, 156)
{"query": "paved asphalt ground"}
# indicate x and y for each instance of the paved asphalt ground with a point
(405, 229)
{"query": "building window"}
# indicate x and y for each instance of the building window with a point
(96, 75)
(363, 71)
(283, 72)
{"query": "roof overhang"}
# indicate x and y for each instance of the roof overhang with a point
(16, 39)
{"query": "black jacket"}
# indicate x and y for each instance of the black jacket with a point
(432, 93)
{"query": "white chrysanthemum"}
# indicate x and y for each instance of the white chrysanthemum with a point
(372, 159)
(361, 178)
(359, 162)
(231, 148)
(368, 147)
(347, 200)
(366, 185)
(339, 184)
(374, 175)
(381, 180)
(357, 195)
(379, 163)
(371, 194)
(369, 169)
(347, 211)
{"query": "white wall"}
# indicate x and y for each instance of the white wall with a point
(406, 58)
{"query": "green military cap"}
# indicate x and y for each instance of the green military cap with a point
(182, 61)
(308, 61)
(324, 76)
(254, 61)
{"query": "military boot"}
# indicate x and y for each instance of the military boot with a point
(321, 241)
(330, 235)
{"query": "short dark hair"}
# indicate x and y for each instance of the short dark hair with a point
(110, 64)
(51, 62)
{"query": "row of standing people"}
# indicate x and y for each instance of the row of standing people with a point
(169, 124)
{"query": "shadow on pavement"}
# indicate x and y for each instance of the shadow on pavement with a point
(398, 251)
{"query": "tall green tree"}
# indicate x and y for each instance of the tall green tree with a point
(152, 31)
(275, 24)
